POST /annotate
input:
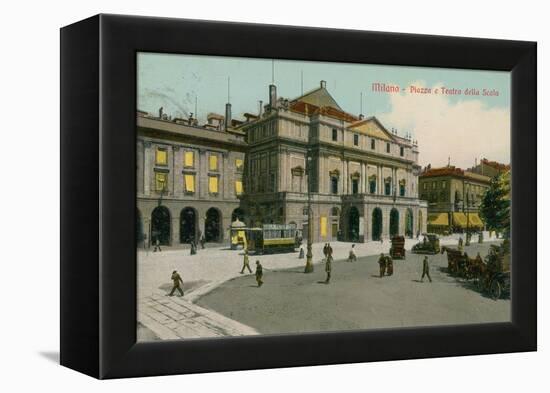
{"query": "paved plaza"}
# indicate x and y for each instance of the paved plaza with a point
(219, 301)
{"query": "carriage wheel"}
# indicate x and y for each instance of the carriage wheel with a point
(480, 285)
(496, 290)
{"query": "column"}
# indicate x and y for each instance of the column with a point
(175, 229)
(225, 175)
(380, 181)
(344, 177)
(362, 179)
(140, 163)
(348, 181)
(202, 175)
(177, 165)
(147, 167)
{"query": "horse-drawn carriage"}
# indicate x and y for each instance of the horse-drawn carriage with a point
(397, 249)
(495, 277)
(460, 264)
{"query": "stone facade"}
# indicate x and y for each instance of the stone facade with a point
(352, 165)
(184, 202)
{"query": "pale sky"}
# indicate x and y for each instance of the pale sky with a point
(462, 127)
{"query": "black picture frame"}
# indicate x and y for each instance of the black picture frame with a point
(98, 197)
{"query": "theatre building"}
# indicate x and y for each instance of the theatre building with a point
(189, 178)
(454, 197)
(362, 177)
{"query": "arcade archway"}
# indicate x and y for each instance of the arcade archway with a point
(212, 225)
(188, 225)
(376, 224)
(394, 222)
(353, 224)
(160, 225)
(409, 228)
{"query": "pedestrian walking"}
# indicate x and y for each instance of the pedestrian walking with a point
(193, 247)
(389, 265)
(157, 245)
(352, 257)
(246, 264)
(460, 244)
(382, 264)
(425, 269)
(301, 254)
(178, 283)
(259, 273)
(328, 268)
(325, 251)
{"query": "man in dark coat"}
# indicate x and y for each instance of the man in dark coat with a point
(178, 283)
(259, 273)
(328, 268)
(425, 269)
(382, 264)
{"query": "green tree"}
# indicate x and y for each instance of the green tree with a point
(495, 205)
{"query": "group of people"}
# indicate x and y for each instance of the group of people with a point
(259, 268)
(385, 263)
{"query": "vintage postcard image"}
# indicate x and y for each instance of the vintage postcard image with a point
(284, 197)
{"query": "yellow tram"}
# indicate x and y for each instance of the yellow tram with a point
(266, 239)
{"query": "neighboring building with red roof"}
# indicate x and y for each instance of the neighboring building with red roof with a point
(454, 196)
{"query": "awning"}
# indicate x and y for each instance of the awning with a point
(439, 219)
(475, 221)
(471, 221)
(459, 220)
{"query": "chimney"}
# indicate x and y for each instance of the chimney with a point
(227, 115)
(272, 96)
(323, 84)
(261, 109)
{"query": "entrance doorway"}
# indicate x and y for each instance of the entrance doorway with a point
(376, 224)
(212, 225)
(394, 222)
(160, 226)
(188, 225)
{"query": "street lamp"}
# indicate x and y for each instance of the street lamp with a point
(309, 255)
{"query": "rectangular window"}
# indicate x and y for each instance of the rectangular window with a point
(355, 186)
(189, 181)
(387, 189)
(387, 147)
(213, 184)
(402, 190)
(238, 187)
(323, 226)
(161, 181)
(356, 139)
(372, 186)
(401, 151)
(161, 157)
(189, 159)
(372, 144)
(213, 162)
(239, 164)
(334, 185)
(334, 231)
(334, 134)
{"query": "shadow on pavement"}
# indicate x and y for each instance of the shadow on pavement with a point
(52, 356)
